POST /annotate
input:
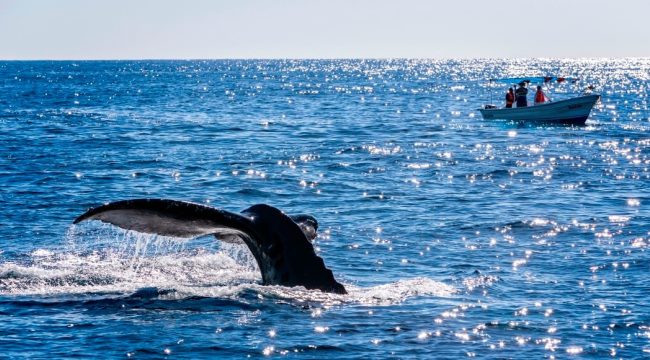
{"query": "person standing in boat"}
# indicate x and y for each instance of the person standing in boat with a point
(510, 98)
(540, 97)
(521, 93)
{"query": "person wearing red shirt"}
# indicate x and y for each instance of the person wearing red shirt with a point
(540, 98)
(510, 98)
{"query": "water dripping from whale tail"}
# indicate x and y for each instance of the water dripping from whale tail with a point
(279, 243)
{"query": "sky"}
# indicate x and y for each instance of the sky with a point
(221, 29)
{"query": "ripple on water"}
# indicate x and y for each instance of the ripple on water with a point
(455, 235)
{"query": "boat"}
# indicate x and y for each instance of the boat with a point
(572, 111)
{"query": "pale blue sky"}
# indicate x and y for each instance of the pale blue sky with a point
(164, 29)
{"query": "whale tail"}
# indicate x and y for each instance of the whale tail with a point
(279, 243)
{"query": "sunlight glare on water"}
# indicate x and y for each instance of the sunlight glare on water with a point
(455, 236)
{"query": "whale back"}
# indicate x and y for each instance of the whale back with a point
(290, 257)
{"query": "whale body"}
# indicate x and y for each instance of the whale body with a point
(280, 243)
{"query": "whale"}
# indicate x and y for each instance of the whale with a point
(280, 243)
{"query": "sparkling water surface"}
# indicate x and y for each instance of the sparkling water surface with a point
(455, 236)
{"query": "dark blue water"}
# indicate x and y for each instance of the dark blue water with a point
(457, 237)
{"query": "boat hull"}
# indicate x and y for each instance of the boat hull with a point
(573, 111)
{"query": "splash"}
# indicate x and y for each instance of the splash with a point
(402, 290)
(103, 260)
(114, 261)
(197, 273)
(381, 295)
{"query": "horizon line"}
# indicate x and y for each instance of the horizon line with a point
(326, 58)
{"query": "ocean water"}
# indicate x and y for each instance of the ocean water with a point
(455, 236)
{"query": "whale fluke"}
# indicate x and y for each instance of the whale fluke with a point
(280, 243)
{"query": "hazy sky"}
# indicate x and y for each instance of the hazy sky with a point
(164, 29)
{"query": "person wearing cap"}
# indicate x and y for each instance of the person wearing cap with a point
(520, 94)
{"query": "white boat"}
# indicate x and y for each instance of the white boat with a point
(574, 111)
